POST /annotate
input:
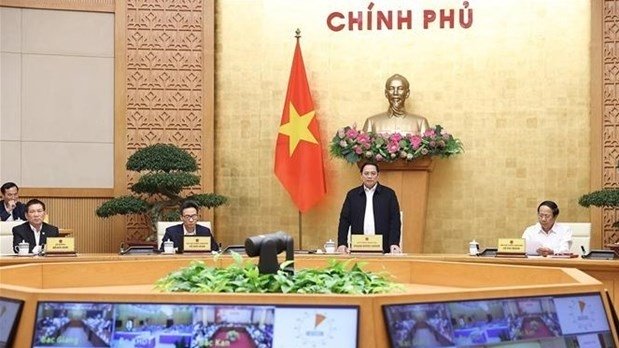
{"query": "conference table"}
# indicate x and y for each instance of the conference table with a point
(606, 271)
(427, 278)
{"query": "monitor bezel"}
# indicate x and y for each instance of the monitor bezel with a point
(276, 305)
(20, 306)
(390, 335)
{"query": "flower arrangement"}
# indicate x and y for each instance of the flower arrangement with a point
(354, 145)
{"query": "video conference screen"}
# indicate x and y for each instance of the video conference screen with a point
(542, 321)
(79, 324)
(10, 311)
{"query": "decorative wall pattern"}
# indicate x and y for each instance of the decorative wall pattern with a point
(164, 81)
(610, 117)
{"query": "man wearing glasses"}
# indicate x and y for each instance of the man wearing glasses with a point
(548, 237)
(189, 227)
(370, 209)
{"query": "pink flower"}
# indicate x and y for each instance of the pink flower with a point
(446, 136)
(429, 132)
(395, 137)
(352, 133)
(378, 157)
(415, 142)
(432, 143)
(358, 150)
(364, 139)
(393, 147)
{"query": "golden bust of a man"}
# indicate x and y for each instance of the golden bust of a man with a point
(396, 119)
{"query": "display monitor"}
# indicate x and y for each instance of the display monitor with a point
(10, 311)
(75, 324)
(541, 321)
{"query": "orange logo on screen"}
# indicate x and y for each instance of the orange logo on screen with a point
(581, 305)
(318, 319)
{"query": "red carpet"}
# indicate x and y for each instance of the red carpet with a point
(243, 341)
(534, 327)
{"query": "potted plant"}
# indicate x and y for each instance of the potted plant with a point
(166, 171)
(607, 197)
(244, 277)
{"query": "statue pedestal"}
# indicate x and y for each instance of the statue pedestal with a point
(410, 182)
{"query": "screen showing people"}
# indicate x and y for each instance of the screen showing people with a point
(548, 321)
(71, 324)
(10, 311)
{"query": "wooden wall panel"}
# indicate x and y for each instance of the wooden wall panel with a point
(92, 234)
(164, 91)
(609, 125)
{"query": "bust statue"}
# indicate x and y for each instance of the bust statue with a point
(396, 119)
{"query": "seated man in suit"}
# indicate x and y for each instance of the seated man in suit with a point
(11, 208)
(34, 231)
(189, 227)
(371, 209)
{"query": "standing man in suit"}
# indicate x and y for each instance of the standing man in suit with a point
(189, 227)
(34, 231)
(371, 209)
(11, 208)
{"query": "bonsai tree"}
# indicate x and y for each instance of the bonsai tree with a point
(608, 197)
(167, 171)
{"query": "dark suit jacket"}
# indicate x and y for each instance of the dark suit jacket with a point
(18, 213)
(175, 234)
(23, 232)
(386, 215)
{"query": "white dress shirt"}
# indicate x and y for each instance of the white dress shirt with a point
(558, 238)
(368, 219)
(187, 233)
(37, 239)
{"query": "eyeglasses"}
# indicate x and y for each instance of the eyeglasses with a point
(191, 217)
(370, 174)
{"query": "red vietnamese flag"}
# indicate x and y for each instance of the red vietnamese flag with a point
(298, 153)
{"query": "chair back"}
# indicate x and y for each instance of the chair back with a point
(6, 236)
(581, 236)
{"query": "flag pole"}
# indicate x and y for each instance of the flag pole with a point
(298, 36)
(300, 232)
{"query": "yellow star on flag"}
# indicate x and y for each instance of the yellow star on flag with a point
(297, 128)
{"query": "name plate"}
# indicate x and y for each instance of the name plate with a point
(197, 244)
(366, 243)
(60, 245)
(511, 247)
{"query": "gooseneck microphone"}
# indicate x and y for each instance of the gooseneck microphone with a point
(584, 252)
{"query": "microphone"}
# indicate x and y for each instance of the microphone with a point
(584, 252)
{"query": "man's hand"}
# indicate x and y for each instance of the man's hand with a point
(395, 249)
(12, 204)
(545, 251)
(342, 249)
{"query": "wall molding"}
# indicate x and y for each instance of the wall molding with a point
(73, 5)
(58, 192)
